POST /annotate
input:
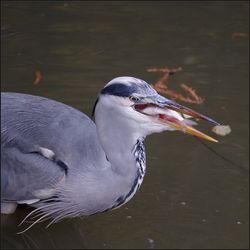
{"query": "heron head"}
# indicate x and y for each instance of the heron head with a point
(135, 102)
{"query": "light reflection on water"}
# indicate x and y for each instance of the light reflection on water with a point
(190, 197)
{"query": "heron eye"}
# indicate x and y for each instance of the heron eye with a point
(134, 98)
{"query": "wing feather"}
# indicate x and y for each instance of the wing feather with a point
(27, 175)
(40, 140)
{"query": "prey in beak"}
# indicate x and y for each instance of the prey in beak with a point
(176, 116)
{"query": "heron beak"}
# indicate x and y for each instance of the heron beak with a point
(189, 130)
(161, 104)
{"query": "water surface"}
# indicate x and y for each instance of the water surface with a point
(190, 197)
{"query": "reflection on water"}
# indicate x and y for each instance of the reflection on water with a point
(190, 197)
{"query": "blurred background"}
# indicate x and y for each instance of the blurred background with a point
(191, 196)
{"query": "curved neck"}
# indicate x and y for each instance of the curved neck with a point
(125, 152)
(139, 155)
(118, 138)
(119, 148)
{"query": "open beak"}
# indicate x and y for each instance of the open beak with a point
(164, 110)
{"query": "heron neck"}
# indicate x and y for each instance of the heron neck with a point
(122, 142)
(128, 163)
(120, 151)
(119, 140)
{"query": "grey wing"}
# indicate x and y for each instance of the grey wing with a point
(40, 140)
(28, 172)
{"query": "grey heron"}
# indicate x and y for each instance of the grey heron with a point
(57, 160)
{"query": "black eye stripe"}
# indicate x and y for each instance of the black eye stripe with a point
(124, 90)
(118, 89)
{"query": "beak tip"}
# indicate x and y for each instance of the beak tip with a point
(214, 140)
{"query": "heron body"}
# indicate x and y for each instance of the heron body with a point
(56, 159)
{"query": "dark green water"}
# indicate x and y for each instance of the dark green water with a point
(190, 197)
